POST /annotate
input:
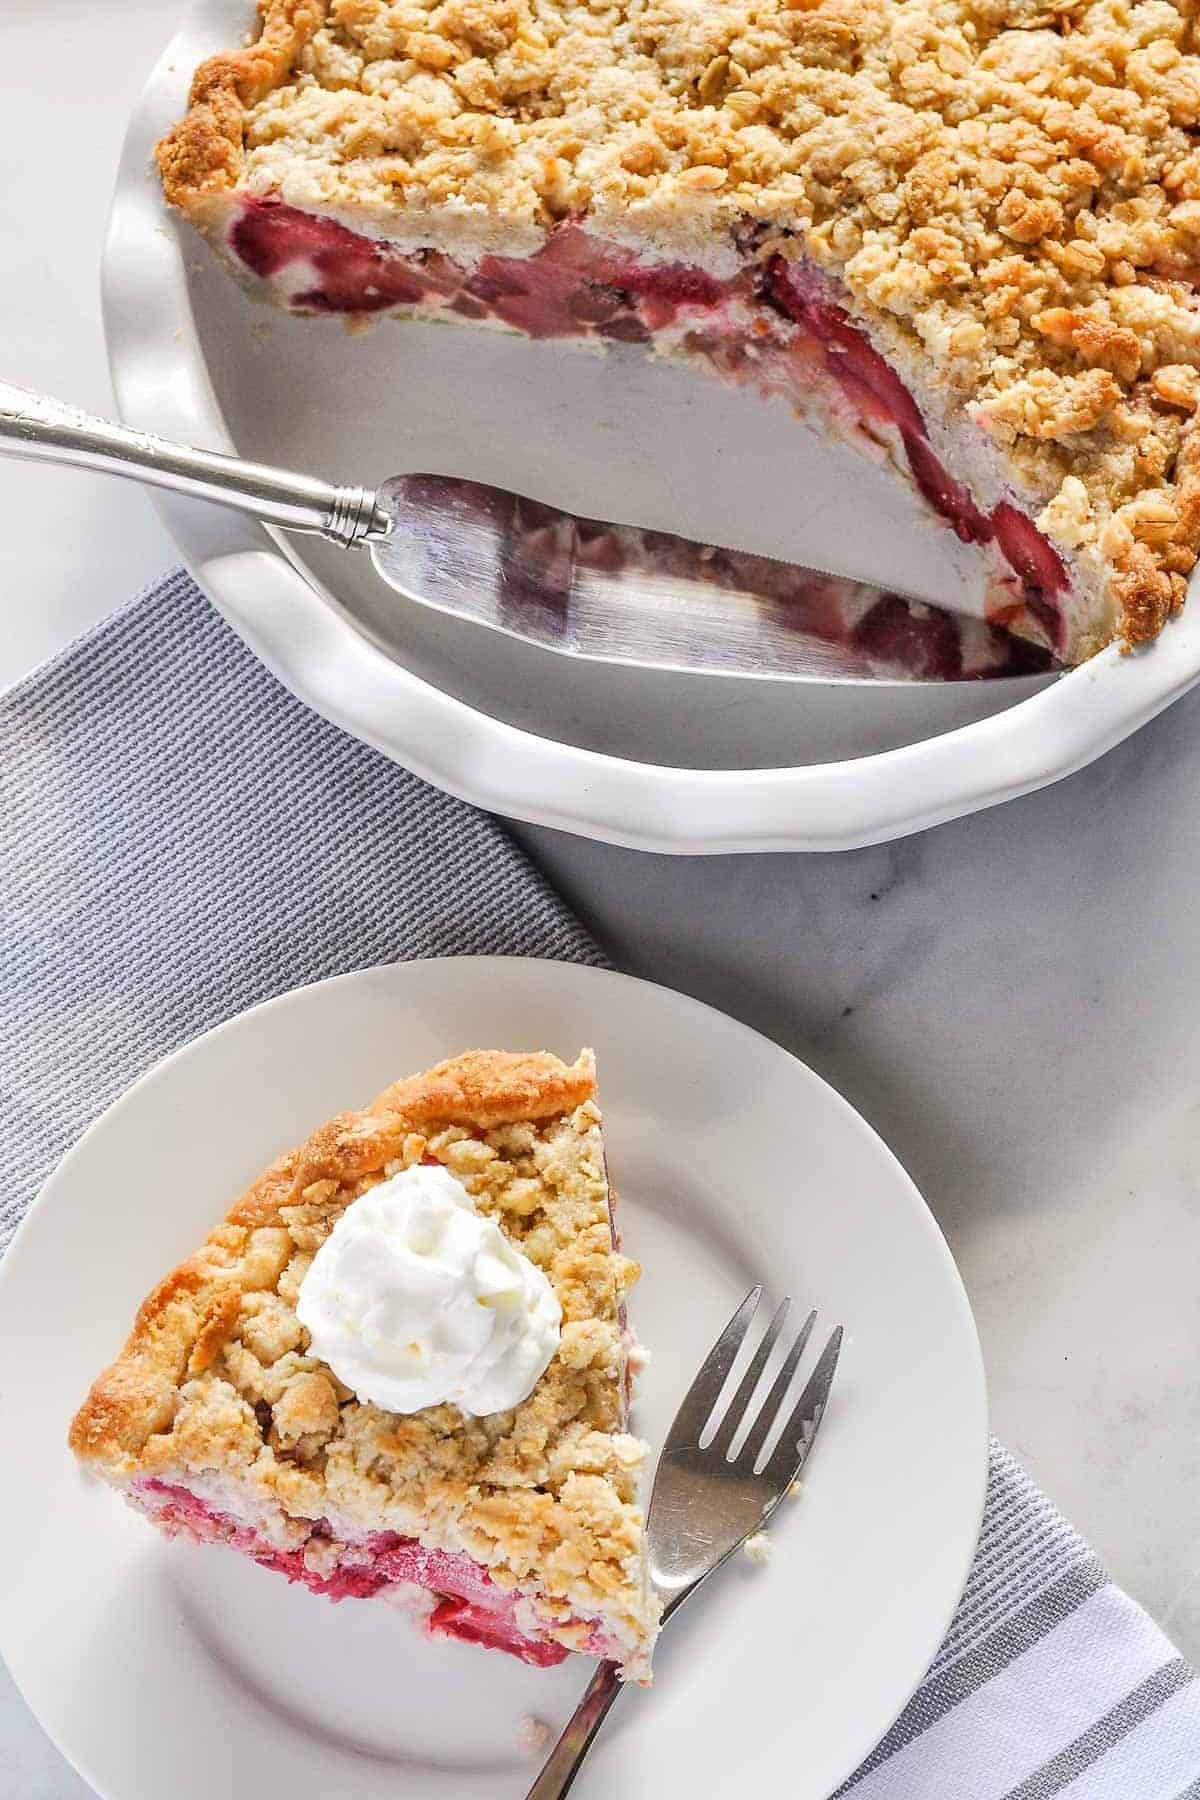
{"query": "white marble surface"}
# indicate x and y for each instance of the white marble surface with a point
(1011, 999)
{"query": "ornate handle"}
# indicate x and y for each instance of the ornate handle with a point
(567, 1756)
(49, 430)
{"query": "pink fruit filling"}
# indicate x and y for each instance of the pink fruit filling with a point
(575, 286)
(868, 381)
(580, 286)
(469, 1605)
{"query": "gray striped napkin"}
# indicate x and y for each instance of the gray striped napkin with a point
(179, 839)
(1050, 1681)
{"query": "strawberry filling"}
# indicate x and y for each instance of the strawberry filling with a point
(579, 286)
(573, 287)
(876, 390)
(469, 1604)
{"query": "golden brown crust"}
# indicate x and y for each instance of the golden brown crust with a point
(203, 153)
(1147, 594)
(215, 1382)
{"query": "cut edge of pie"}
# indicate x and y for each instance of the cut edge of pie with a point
(519, 1530)
(983, 277)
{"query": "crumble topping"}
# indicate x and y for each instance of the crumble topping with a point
(533, 1735)
(1008, 189)
(216, 1380)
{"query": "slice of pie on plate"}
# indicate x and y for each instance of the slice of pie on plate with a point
(962, 234)
(516, 1528)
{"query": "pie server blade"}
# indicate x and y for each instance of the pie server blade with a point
(620, 594)
(578, 587)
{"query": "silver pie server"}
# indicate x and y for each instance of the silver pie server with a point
(577, 586)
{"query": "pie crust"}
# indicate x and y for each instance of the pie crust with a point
(215, 1420)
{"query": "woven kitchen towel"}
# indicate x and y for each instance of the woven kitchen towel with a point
(179, 839)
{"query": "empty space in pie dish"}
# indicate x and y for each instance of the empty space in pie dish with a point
(617, 434)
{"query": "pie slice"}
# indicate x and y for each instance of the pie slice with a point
(520, 1529)
(961, 234)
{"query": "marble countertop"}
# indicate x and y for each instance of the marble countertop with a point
(1011, 1000)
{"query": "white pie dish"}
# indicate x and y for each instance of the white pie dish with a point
(167, 1668)
(669, 763)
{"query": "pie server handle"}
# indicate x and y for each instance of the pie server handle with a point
(48, 430)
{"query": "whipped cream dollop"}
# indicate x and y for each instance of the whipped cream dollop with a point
(415, 1298)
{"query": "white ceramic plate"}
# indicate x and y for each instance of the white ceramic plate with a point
(676, 763)
(169, 1669)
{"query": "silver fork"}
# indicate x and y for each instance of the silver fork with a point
(706, 1502)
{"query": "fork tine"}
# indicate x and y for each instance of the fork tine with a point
(702, 1396)
(735, 1412)
(768, 1412)
(791, 1452)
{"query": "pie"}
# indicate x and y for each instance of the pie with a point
(962, 233)
(518, 1530)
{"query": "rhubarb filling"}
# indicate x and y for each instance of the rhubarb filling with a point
(463, 1601)
(771, 325)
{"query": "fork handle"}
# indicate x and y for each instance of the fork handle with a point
(34, 425)
(566, 1758)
